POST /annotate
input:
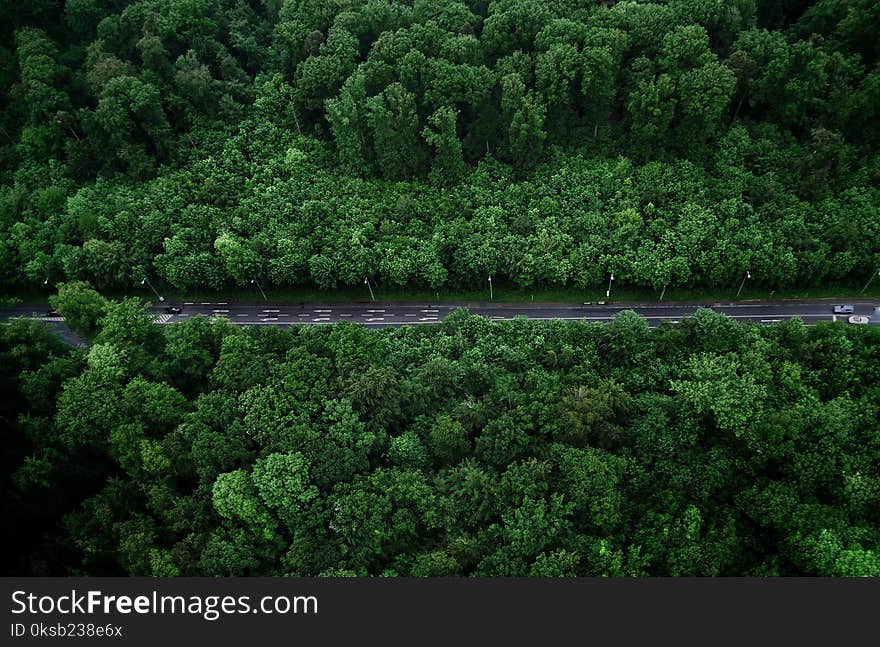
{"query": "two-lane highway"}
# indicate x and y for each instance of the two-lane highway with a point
(407, 314)
(285, 314)
(403, 314)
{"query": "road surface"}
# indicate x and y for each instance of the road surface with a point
(407, 314)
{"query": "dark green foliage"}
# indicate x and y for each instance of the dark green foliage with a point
(427, 144)
(468, 448)
(431, 144)
(81, 306)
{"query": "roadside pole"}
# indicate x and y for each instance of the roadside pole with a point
(147, 281)
(747, 276)
(877, 273)
(254, 280)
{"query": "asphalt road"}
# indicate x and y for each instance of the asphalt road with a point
(404, 314)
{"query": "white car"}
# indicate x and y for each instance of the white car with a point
(858, 319)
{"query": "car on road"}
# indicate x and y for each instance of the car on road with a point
(52, 313)
(173, 310)
(858, 319)
(843, 310)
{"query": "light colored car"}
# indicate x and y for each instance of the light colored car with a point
(843, 310)
(858, 319)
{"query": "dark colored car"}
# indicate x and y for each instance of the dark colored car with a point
(173, 310)
(52, 313)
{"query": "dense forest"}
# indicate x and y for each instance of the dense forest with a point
(471, 447)
(205, 144)
(430, 143)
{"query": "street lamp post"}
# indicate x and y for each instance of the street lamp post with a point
(608, 291)
(369, 287)
(877, 273)
(254, 280)
(662, 292)
(747, 276)
(491, 293)
(147, 281)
